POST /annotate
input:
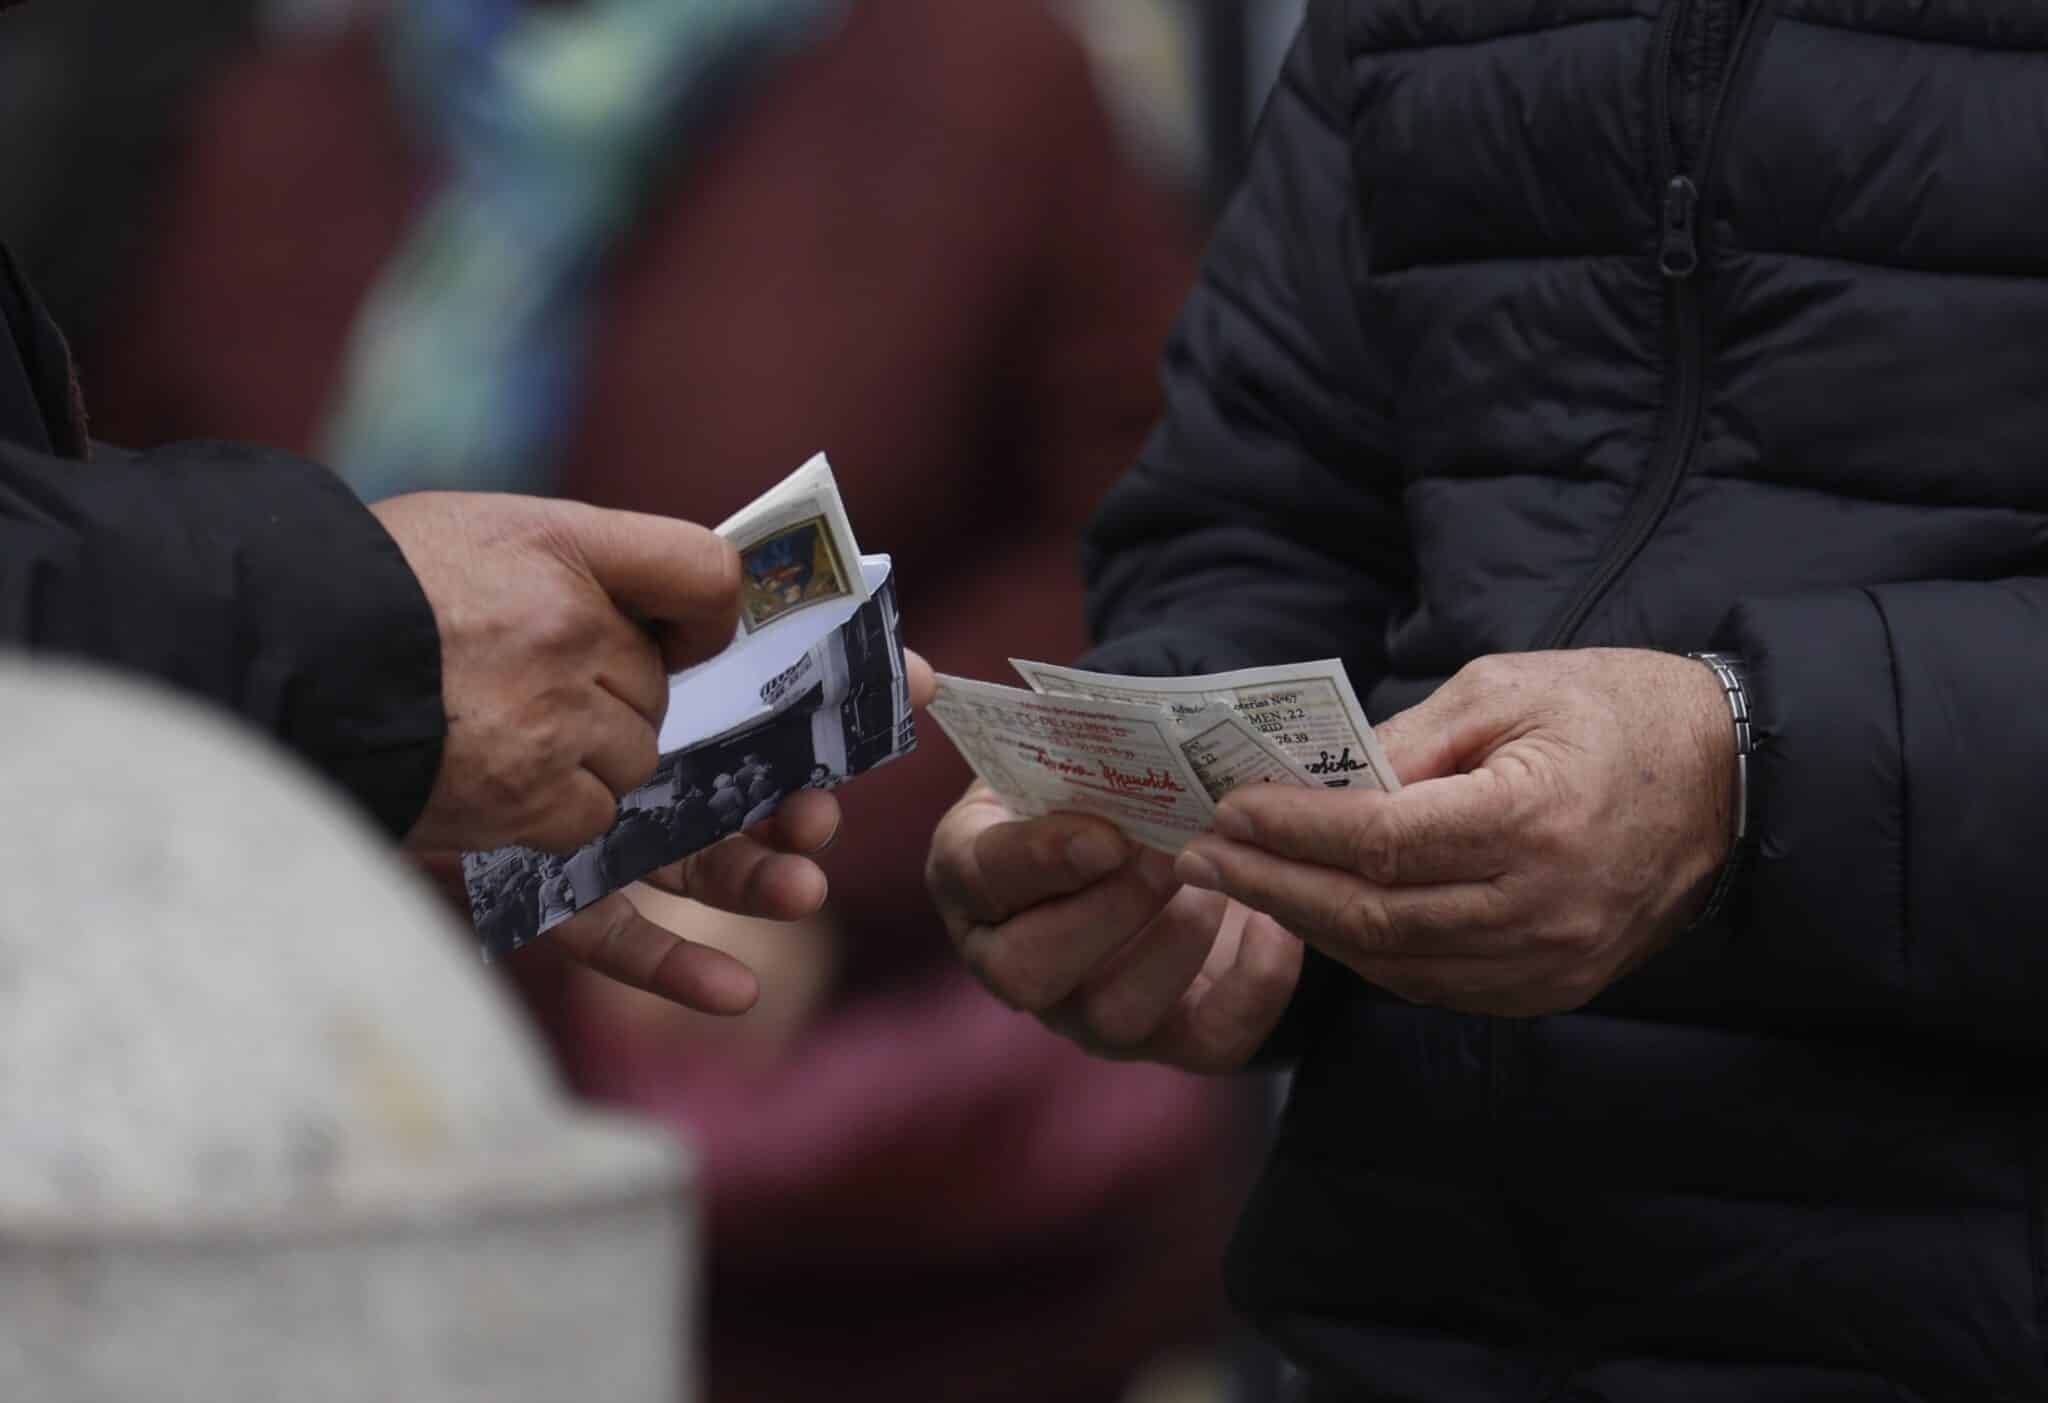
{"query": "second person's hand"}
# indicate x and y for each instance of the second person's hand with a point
(1564, 816)
(559, 626)
(769, 871)
(1064, 918)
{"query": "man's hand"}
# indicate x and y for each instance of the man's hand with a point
(766, 871)
(559, 626)
(1563, 815)
(769, 871)
(1063, 918)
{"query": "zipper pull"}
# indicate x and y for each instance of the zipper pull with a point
(1678, 257)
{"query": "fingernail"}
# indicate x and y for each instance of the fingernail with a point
(1194, 870)
(826, 846)
(1094, 855)
(1232, 824)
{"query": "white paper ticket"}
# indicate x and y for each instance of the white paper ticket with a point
(1119, 761)
(1225, 751)
(1307, 709)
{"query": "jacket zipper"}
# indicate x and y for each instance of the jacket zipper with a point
(1682, 198)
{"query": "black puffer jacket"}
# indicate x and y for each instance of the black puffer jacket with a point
(248, 578)
(1657, 323)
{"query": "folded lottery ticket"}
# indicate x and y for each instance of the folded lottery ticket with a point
(1154, 756)
(811, 692)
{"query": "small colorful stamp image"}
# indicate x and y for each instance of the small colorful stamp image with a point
(792, 569)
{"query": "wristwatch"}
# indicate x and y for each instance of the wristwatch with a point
(1734, 683)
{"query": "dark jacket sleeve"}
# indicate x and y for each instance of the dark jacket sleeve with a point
(1262, 522)
(1900, 796)
(247, 577)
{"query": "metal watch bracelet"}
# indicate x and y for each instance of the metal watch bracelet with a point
(1729, 670)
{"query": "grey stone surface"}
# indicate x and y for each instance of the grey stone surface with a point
(267, 1129)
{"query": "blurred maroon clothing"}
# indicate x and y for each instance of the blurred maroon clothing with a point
(919, 249)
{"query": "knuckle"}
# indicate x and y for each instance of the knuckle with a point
(994, 962)
(1575, 935)
(1030, 982)
(1031, 990)
(1363, 923)
(500, 788)
(973, 947)
(516, 776)
(560, 622)
(1115, 1021)
(1374, 851)
(1486, 672)
(1043, 846)
(1499, 908)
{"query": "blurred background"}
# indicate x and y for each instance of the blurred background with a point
(652, 254)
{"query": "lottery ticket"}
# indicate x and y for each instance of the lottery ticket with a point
(1225, 750)
(1306, 709)
(1119, 761)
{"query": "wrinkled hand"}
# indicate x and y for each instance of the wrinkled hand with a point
(559, 626)
(769, 871)
(1563, 815)
(1064, 918)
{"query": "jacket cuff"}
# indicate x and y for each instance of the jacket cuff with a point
(1826, 801)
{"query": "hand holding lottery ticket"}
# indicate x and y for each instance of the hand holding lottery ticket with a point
(1053, 875)
(812, 690)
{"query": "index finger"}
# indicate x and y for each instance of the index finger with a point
(1458, 828)
(614, 939)
(987, 865)
(765, 871)
(1351, 920)
(676, 576)
(1236, 1002)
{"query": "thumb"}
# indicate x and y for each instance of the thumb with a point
(680, 578)
(924, 684)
